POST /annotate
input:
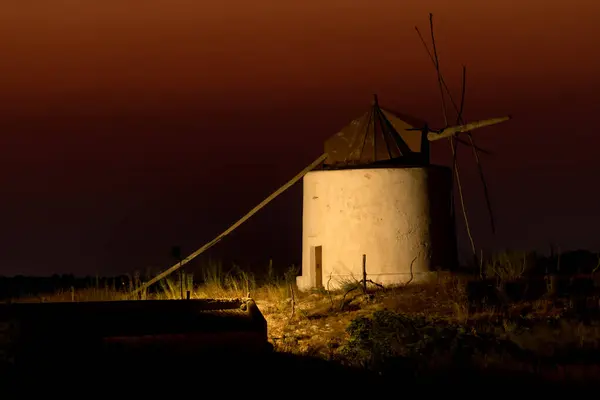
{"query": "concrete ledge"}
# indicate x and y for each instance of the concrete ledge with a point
(44, 333)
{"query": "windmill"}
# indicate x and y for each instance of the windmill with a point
(452, 133)
(378, 139)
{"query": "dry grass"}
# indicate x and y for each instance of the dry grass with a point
(320, 318)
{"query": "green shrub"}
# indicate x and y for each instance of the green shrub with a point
(387, 341)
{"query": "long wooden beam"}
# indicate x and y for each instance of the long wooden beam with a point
(452, 130)
(208, 245)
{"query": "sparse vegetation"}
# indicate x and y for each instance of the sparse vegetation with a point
(512, 320)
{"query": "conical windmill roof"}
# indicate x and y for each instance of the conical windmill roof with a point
(379, 135)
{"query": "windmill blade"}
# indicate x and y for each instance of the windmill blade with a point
(454, 139)
(453, 130)
(484, 184)
(452, 146)
(431, 136)
(459, 112)
(459, 118)
(437, 70)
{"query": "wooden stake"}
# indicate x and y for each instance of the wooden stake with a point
(181, 282)
(364, 270)
(291, 286)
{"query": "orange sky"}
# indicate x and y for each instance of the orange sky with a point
(116, 48)
(91, 92)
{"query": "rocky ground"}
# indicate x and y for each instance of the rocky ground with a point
(540, 337)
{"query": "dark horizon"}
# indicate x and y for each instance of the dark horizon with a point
(129, 130)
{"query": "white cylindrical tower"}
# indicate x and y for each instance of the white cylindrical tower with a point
(399, 217)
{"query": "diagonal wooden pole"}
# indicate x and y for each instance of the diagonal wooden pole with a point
(210, 244)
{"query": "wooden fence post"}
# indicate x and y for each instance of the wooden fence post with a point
(364, 270)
